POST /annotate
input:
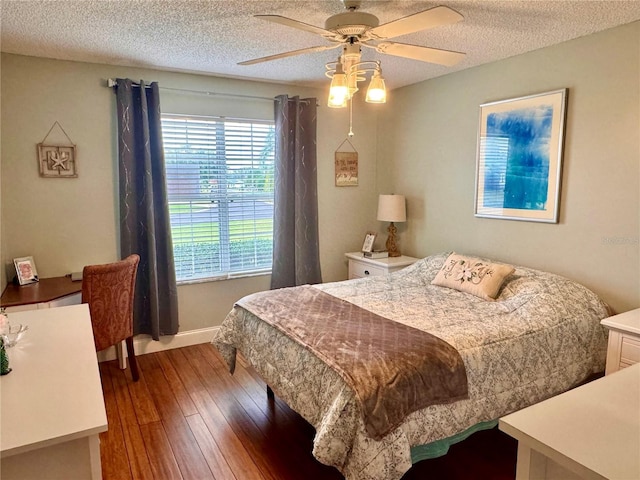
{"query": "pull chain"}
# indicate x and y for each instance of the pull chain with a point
(350, 134)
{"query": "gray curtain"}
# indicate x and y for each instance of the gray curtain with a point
(144, 210)
(296, 253)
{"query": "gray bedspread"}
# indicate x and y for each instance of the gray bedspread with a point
(539, 338)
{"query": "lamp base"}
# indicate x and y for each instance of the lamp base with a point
(392, 246)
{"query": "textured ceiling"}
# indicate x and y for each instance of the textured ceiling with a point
(211, 37)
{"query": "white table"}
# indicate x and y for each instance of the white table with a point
(52, 407)
(590, 432)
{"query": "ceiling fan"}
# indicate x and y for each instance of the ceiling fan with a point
(354, 29)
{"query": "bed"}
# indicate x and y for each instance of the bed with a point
(540, 337)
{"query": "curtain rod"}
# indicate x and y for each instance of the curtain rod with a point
(112, 83)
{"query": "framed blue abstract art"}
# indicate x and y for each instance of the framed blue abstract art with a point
(519, 162)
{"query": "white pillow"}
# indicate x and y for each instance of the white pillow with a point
(473, 275)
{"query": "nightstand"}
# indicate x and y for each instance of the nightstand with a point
(360, 266)
(624, 340)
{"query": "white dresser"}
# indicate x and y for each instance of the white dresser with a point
(590, 432)
(624, 340)
(360, 266)
(52, 407)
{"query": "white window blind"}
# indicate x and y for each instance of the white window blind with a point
(495, 152)
(220, 190)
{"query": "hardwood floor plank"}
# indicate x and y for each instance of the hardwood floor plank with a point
(161, 458)
(176, 385)
(294, 452)
(288, 423)
(161, 395)
(144, 407)
(276, 409)
(281, 404)
(183, 444)
(225, 381)
(113, 451)
(256, 389)
(252, 426)
(252, 383)
(137, 453)
(240, 461)
(149, 362)
(212, 454)
(237, 434)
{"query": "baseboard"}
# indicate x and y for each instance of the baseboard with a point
(144, 344)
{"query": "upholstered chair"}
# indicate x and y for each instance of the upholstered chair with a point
(109, 290)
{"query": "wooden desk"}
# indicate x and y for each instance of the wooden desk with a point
(48, 292)
(590, 432)
(52, 407)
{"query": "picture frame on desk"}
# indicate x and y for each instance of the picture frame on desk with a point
(26, 272)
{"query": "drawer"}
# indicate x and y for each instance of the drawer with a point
(623, 365)
(360, 270)
(630, 349)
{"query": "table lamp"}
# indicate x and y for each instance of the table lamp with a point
(391, 208)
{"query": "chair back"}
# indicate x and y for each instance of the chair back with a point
(109, 290)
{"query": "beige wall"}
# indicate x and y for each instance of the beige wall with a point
(427, 151)
(68, 223)
(3, 275)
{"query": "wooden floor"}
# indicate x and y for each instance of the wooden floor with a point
(188, 418)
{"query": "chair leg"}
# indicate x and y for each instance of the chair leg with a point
(132, 359)
(270, 394)
(121, 355)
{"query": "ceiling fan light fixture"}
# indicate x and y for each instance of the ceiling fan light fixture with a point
(353, 30)
(376, 93)
(339, 90)
(351, 23)
(337, 102)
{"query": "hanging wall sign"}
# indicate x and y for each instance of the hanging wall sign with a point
(346, 164)
(57, 160)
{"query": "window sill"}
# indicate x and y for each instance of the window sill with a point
(223, 277)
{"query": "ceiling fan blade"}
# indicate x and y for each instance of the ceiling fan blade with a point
(433, 17)
(289, 54)
(424, 54)
(289, 22)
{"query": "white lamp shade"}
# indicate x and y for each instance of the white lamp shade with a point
(391, 208)
(338, 92)
(376, 93)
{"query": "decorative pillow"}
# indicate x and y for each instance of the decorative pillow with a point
(473, 275)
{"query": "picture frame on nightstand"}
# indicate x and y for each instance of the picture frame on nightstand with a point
(369, 239)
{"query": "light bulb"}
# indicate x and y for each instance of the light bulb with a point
(376, 93)
(338, 91)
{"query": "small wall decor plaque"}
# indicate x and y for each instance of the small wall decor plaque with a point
(346, 164)
(57, 160)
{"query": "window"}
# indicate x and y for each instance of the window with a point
(220, 189)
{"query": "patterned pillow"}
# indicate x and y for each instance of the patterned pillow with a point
(473, 275)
